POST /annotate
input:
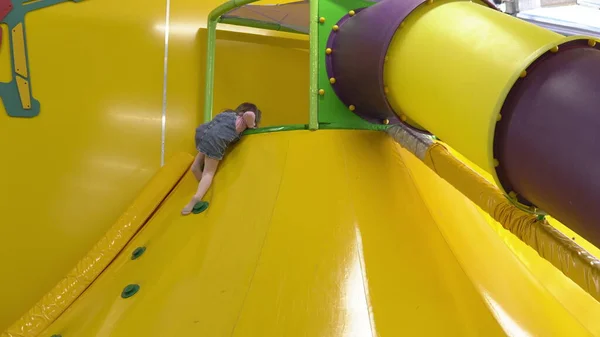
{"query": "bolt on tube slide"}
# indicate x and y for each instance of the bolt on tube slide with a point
(514, 98)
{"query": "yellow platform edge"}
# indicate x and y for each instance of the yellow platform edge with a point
(55, 302)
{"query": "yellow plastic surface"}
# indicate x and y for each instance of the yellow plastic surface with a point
(582, 242)
(451, 66)
(558, 249)
(329, 233)
(23, 87)
(351, 247)
(566, 292)
(562, 251)
(97, 68)
(76, 282)
(18, 48)
(68, 174)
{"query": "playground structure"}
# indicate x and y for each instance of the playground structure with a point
(371, 234)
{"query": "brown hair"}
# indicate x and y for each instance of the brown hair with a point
(246, 106)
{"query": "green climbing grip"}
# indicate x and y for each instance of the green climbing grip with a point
(541, 217)
(138, 252)
(200, 207)
(130, 290)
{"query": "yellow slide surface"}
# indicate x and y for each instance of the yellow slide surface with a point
(328, 233)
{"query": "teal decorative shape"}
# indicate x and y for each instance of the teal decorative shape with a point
(130, 290)
(9, 92)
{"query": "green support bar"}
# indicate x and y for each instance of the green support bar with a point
(332, 111)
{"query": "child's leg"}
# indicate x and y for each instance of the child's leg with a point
(197, 165)
(210, 168)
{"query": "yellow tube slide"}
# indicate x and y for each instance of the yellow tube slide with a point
(451, 66)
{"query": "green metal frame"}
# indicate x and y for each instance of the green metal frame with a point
(296, 127)
(325, 111)
(215, 17)
(332, 111)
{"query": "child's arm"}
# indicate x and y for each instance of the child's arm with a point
(249, 119)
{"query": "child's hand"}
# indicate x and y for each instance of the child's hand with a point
(249, 118)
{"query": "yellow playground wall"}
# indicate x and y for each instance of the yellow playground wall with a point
(97, 68)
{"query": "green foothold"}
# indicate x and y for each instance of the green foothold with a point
(200, 207)
(138, 252)
(540, 217)
(130, 290)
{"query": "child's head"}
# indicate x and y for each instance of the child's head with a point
(249, 107)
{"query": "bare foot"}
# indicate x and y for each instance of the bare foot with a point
(189, 207)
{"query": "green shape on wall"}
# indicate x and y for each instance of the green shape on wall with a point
(20, 103)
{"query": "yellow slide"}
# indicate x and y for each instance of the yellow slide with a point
(329, 233)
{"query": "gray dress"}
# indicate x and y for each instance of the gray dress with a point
(214, 137)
